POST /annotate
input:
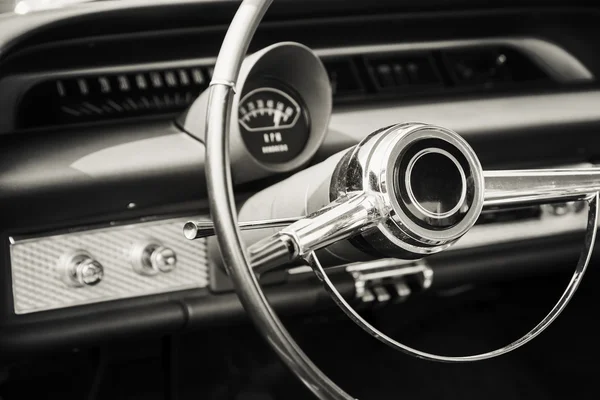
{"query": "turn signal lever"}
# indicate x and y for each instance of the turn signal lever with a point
(405, 191)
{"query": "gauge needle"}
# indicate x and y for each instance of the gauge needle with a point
(277, 118)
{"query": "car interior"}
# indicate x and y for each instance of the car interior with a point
(309, 199)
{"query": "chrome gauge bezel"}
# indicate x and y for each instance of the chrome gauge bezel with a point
(287, 96)
(309, 80)
(263, 142)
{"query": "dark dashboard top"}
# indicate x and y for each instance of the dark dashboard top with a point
(129, 16)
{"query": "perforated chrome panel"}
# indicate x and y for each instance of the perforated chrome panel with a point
(35, 276)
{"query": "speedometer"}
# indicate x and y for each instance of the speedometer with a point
(273, 123)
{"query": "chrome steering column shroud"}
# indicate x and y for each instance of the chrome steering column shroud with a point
(370, 193)
(367, 199)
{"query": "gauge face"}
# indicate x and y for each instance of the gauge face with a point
(273, 124)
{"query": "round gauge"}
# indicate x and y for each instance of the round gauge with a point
(274, 125)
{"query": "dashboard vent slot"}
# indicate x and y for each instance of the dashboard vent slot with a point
(360, 77)
(413, 74)
(489, 67)
(403, 72)
(93, 98)
(344, 78)
(510, 215)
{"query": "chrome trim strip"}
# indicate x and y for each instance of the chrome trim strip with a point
(103, 228)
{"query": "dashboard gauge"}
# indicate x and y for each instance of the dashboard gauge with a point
(273, 123)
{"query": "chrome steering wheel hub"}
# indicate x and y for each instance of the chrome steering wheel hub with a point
(430, 183)
(434, 167)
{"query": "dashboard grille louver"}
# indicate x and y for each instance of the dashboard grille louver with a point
(92, 98)
(404, 72)
(344, 78)
(355, 78)
(397, 75)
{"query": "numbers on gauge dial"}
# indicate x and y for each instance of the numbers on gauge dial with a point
(266, 109)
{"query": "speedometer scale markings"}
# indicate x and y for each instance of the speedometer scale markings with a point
(267, 109)
(273, 124)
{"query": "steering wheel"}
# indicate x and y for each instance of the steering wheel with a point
(375, 194)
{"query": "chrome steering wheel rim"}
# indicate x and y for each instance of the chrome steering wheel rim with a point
(559, 306)
(224, 214)
(223, 209)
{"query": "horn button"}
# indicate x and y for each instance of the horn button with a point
(434, 184)
(437, 170)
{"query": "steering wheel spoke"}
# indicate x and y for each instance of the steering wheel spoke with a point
(523, 187)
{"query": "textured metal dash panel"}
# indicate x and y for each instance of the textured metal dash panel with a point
(36, 282)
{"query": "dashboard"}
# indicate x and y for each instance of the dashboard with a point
(102, 147)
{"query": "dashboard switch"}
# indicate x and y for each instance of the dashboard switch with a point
(420, 71)
(402, 72)
(385, 75)
(399, 74)
(79, 268)
(344, 77)
(164, 259)
(490, 66)
(151, 257)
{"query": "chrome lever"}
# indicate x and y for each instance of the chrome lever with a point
(205, 228)
(339, 220)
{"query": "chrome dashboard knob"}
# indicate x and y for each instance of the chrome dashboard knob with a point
(164, 259)
(151, 257)
(79, 268)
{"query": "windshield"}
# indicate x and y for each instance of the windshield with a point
(6, 6)
(27, 6)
